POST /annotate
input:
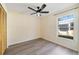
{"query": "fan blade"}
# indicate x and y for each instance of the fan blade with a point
(43, 6)
(44, 12)
(32, 9)
(33, 13)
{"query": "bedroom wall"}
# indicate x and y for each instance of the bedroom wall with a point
(49, 30)
(21, 27)
(48, 27)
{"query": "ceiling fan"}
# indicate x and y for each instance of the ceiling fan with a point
(39, 10)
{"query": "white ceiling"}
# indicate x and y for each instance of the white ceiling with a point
(23, 7)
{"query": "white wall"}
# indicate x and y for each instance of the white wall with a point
(49, 30)
(48, 27)
(21, 27)
(77, 29)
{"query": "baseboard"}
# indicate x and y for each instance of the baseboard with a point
(60, 45)
(49, 41)
(23, 42)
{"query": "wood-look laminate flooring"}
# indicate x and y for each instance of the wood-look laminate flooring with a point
(38, 47)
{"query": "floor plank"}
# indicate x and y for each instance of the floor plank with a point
(38, 47)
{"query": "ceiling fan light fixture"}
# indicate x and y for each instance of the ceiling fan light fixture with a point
(38, 14)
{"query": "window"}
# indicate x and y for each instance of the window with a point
(66, 26)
